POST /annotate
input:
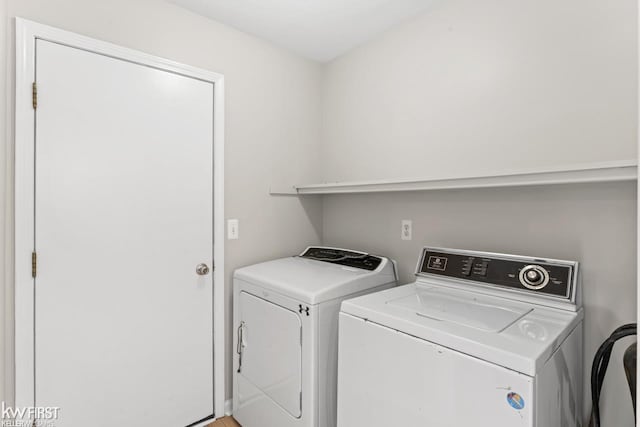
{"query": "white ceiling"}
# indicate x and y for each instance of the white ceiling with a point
(317, 29)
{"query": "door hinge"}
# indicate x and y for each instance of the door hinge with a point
(34, 264)
(34, 95)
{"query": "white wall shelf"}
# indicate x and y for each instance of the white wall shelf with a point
(590, 173)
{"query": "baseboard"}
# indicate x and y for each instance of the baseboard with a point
(228, 407)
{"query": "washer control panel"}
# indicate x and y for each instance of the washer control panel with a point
(343, 257)
(541, 276)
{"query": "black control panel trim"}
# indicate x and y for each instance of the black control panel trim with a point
(344, 257)
(499, 270)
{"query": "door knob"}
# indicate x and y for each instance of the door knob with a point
(202, 269)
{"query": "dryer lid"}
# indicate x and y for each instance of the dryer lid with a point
(312, 281)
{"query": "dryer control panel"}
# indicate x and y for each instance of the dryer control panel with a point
(554, 278)
(344, 257)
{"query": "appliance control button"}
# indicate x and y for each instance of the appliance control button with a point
(534, 277)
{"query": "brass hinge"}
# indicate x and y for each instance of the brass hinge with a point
(34, 264)
(34, 95)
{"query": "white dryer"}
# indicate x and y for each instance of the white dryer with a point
(480, 339)
(286, 327)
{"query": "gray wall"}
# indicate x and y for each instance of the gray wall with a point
(594, 224)
(271, 109)
(481, 87)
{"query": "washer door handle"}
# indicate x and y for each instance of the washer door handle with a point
(241, 345)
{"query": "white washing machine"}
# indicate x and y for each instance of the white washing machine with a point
(286, 327)
(480, 339)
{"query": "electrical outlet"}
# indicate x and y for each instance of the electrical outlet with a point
(233, 229)
(407, 228)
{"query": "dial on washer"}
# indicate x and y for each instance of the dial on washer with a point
(534, 277)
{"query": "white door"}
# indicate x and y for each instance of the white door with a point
(271, 360)
(123, 207)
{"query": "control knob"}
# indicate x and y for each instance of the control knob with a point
(534, 277)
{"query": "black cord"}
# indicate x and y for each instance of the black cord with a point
(601, 363)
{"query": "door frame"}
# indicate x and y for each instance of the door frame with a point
(27, 32)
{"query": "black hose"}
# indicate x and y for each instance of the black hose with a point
(630, 367)
(607, 350)
(600, 365)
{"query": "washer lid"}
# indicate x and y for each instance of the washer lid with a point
(312, 281)
(464, 308)
(516, 335)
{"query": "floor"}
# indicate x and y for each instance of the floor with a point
(224, 422)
